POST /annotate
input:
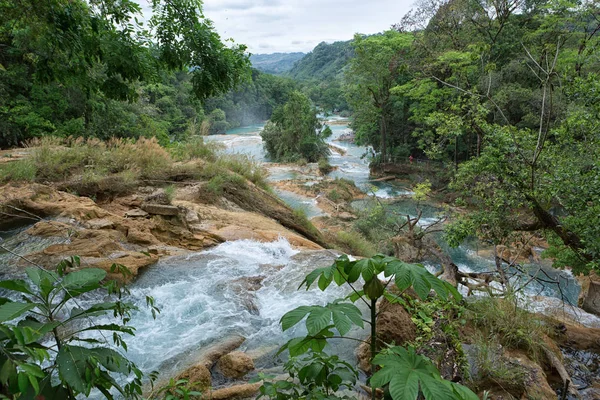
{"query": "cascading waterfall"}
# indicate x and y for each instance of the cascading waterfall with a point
(203, 298)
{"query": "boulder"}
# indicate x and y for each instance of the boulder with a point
(99, 223)
(160, 209)
(394, 325)
(346, 216)
(50, 229)
(235, 364)
(158, 197)
(245, 391)
(136, 213)
(591, 301)
(198, 377)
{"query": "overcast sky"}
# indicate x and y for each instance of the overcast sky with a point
(269, 26)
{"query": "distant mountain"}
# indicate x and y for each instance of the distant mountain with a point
(277, 63)
(326, 61)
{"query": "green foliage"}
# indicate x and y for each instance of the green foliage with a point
(408, 374)
(105, 57)
(46, 349)
(324, 63)
(404, 373)
(175, 390)
(511, 325)
(320, 376)
(324, 166)
(295, 132)
(352, 242)
(254, 101)
(218, 122)
(493, 368)
(17, 171)
(276, 63)
(375, 69)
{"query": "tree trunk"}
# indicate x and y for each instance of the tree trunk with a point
(383, 138)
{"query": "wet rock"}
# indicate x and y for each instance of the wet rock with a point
(99, 223)
(235, 364)
(244, 288)
(247, 283)
(590, 394)
(591, 301)
(394, 325)
(160, 209)
(136, 213)
(198, 377)
(209, 355)
(244, 391)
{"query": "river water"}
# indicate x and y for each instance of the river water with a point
(204, 298)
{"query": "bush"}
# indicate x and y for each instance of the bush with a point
(354, 243)
(38, 362)
(511, 325)
(324, 166)
(195, 148)
(21, 170)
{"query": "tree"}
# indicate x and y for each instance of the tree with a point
(373, 72)
(295, 132)
(90, 52)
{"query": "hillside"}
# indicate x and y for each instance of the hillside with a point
(326, 61)
(276, 63)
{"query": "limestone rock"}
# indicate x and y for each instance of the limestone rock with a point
(160, 209)
(244, 391)
(158, 197)
(139, 236)
(136, 213)
(198, 377)
(49, 229)
(346, 216)
(99, 223)
(591, 302)
(235, 364)
(394, 325)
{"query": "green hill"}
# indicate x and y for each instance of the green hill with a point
(326, 61)
(276, 63)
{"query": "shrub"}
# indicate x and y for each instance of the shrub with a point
(513, 326)
(354, 243)
(324, 166)
(21, 170)
(45, 354)
(195, 148)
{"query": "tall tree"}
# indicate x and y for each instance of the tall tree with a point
(99, 49)
(372, 73)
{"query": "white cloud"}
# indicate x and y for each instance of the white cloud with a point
(299, 25)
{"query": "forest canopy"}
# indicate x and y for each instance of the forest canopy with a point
(68, 66)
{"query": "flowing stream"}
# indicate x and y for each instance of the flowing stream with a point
(204, 297)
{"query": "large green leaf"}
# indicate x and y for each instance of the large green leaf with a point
(407, 373)
(71, 367)
(16, 285)
(341, 322)
(43, 279)
(318, 319)
(10, 311)
(84, 277)
(291, 318)
(405, 385)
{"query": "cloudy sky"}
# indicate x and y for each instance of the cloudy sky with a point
(268, 26)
